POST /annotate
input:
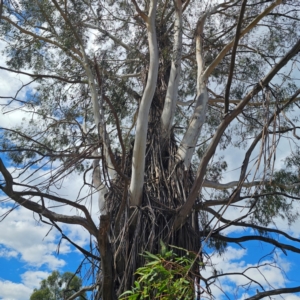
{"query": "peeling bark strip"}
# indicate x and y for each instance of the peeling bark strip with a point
(138, 159)
(186, 209)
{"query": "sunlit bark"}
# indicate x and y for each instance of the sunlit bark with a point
(138, 158)
(173, 84)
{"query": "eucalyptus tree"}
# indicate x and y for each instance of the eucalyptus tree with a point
(59, 286)
(147, 100)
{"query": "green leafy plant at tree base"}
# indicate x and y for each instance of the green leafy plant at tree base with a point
(165, 276)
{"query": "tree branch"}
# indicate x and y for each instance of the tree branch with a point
(228, 185)
(247, 238)
(112, 37)
(43, 76)
(274, 292)
(40, 209)
(224, 51)
(188, 143)
(187, 207)
(139, 149)
(117, 125)
(47, 40)
(1, 9)
(83, 290)
(82, 250)
(258, 138)
(232, 63)
(252, 226)
(168, 112)
(60, 200)
(140, 12)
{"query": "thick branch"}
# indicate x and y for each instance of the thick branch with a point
(232, 184)
(82, 291)
(108, 292)
(228, 185)
(228, 201)
(40, 209)
(274, 292)
(187, 146)
(60, 200)
(1, 9)
(172, 90)
(233, 101)
(138, 158)
(140, 12)
(247, 238)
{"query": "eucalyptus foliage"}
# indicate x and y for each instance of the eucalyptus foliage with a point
(58, 287)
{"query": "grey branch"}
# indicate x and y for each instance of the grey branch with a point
(275, 292)
(40, 209)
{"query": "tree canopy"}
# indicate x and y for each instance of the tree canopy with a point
(58, 287)
(174, 115)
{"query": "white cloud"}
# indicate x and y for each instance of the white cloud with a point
(32, 279)
(14, 291)
(287, 297)
(21, 291)
(5, 253)
(28, 238)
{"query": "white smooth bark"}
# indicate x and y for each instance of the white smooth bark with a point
(100, 187)
(187, 146)
(100, 125)
(172, 90)
(139, 149)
